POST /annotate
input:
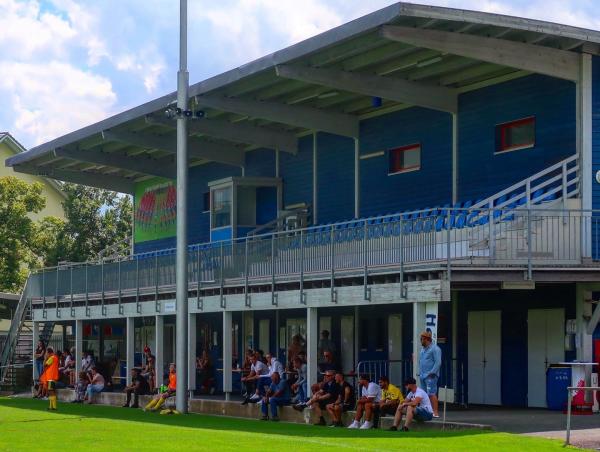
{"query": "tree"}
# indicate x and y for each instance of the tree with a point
(95, 220)
(18, 200)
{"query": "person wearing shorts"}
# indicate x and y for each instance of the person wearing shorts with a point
(391, 397)
(323, 397)
(416, 406)
(344, 402)
(430, 362)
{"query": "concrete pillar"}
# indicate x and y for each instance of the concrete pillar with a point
(35, 338)
(159, 348)
(454, 298)
(583, 312)
(129, 344)
(425, 317)
(312, 342)
(192, 352)
(78, 346)
(356, 335)
(227, 353)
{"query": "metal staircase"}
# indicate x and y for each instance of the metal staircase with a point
(17, 355)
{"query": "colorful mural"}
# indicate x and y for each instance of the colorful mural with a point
(155, 210)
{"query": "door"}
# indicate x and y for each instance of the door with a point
(347, 342)
(395, 372)
(484, 355)
(545, 346)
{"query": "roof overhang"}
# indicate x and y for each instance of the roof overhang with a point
(405, 54)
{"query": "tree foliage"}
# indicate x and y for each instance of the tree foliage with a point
(18, 253)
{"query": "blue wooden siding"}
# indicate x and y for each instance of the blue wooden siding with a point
(551, 101)
(335, 178)
(260, 163)
(595, 153)
(427, 187)
(296, 172)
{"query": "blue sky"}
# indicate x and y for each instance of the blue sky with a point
(65, 64)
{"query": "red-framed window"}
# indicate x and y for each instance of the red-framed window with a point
(513, 135)
(405, 158)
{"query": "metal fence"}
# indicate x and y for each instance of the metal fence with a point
(443, 238)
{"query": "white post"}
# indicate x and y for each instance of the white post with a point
(227, 353)
(584, 147)
(130, 345)
(192, 351)
(418, 327)
(312, 341)
(78, 346)
(454, 298)
(159, 338)
(35, 338)
(583, 302)
(356, 336)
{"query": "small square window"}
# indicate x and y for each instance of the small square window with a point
(206, 201)
(405, 158)
(514, 135)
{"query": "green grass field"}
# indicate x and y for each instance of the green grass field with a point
(26, 425)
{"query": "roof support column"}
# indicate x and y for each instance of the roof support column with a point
(78, 346)
(227, 353)
(35, 337)
(315, 181)
(192, 332)
(159, 345)
(584, 147)
(312, 341)
(454, 158)
(181, 276)
(356, 178)
(129, 345)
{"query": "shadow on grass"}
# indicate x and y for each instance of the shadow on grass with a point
(222, 423)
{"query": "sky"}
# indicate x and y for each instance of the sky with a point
(65, 64)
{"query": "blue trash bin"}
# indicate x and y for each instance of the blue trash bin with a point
(558, 380)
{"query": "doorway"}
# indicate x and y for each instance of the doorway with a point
(484, 357)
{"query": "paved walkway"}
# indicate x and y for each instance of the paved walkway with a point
(544, 423)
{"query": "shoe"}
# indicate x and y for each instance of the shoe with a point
(354, 424)
(245, 402)
(321, 421)
(254, 398)
(436, 416)
(126, 405)
(393, 428)
(405, 429)
(275, 419)
(134, 406)
(366, 425)
(299, 407)
(259, 403)
(264, 418)
(331, 424)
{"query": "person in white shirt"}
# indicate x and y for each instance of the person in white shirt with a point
(417, 406)
(370, 394)
(258, 369)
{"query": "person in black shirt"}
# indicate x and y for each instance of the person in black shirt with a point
(327, 394)
(345, 400)
(139, 386)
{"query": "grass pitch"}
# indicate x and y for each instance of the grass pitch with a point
(26, 425)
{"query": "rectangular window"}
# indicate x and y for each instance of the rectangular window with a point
(405, 158)
(514, 135)
(221, 207)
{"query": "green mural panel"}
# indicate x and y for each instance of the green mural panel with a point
(155, 209)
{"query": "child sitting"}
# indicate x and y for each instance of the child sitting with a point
(81, 387)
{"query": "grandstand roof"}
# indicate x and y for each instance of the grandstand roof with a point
(397, 57)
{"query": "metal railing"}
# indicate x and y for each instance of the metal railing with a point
(570, 391)
(397, 370)
(438, 238)
(14, 330)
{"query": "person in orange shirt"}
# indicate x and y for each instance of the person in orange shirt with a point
(159, 399)
(50, 376)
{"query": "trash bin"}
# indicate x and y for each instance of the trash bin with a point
(558, 380)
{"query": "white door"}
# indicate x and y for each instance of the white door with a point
(484, 355)
(347, 342)
(545, 346)
(263, 335)
(395, 348)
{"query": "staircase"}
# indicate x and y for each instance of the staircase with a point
(16, 358)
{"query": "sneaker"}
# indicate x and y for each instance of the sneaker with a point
(321, 421)
(332, 424)
(436, 416)
(299, 407)
(393, 428)
(366, 425)
(405, 429)
(259, 403)
(354, 424)
(254, 398)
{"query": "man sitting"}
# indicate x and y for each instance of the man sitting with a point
(96, 384)
(139, 386)
(323, 397)
(391, 397)
(344, 402)
(416, 406)
(257, 369)
(159, 399)
(370, 394)
(278, 394)
(299, 386)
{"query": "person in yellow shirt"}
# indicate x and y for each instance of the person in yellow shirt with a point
(159, 399)
(50, 376)
(391, 397)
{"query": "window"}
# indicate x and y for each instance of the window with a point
(206, 201)
(221, 207)
(514, 135)
(405, 158)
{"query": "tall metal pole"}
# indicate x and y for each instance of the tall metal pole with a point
(182, 186)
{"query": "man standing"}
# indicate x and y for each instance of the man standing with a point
(416, 406)
(51, 377)
(370, 394)
(278, 394)
(430, 362)
(139, 386)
